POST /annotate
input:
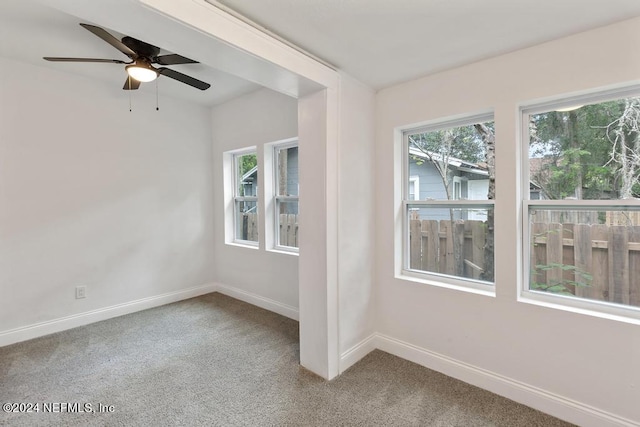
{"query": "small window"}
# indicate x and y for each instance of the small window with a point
(286, 196)
(245, 197)
(583, 212)
(448, 229)
(457, 189)
(414, 187)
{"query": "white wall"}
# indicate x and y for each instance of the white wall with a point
(265, 278)
(547, 358)
(355, 218)
(92, 194)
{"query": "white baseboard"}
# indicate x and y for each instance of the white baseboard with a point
(357, 352)
(61, 324)
(550, 403)
(259, 301)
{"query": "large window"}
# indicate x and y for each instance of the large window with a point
(245, 197)
(286, 195)
(582, 225)
(448, 192)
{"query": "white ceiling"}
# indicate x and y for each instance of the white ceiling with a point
(380, 42)
(383, 42)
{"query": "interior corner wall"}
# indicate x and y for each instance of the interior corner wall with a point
(578, 367)
(94, 195)
(264, 278)
(356, 229)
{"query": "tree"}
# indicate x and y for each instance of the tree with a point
(623, 133)
(245, 164)
(440, 147)
(489, 139)
(588, 153)
(248, 162)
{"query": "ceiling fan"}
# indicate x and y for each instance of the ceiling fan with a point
(142, 55)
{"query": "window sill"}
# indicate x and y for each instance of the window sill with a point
(283, 251)
(602, 310)
(246, 245)
(473, 287)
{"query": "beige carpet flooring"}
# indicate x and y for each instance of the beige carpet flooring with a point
(217, 361)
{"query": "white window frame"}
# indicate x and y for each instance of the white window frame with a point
(230, 166)
(430, 278)
(564, 302)
(272, 198)
(277, 198)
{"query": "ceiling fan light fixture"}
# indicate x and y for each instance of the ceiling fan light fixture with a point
(142, 72)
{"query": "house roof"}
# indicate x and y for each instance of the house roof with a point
(462, 165)
(250, 172)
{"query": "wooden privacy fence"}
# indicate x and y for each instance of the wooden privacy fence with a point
(288, 228)
(623, 217)
(593, 261)
(587, 217)
(250, 226)
(432, 245)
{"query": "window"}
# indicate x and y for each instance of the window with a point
(286, 195)
(448, 229)
(414, 187)
(457, 189)
(582, 225)
(245, 197)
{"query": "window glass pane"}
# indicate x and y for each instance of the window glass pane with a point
(452, 164)
(247, 175)
(588, 152)
(246, 220)
(287, 223)
(287, 172)
(456, 242)
(592, 255)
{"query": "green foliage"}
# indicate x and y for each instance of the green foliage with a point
(462, 142)
(576, 150)
(247, 162)
(561, 286)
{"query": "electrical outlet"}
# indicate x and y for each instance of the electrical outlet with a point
(81, 292)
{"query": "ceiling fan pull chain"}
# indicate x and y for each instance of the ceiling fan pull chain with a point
(129, 79)
(157, 102)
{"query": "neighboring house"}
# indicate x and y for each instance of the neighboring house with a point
(536, 192)
(250, 180)
(467, 181)
(292, 172)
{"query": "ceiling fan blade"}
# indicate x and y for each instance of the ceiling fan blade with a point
(58, 59)
(173, 59)
(131, 84)
(104, 35)
(199, 84)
